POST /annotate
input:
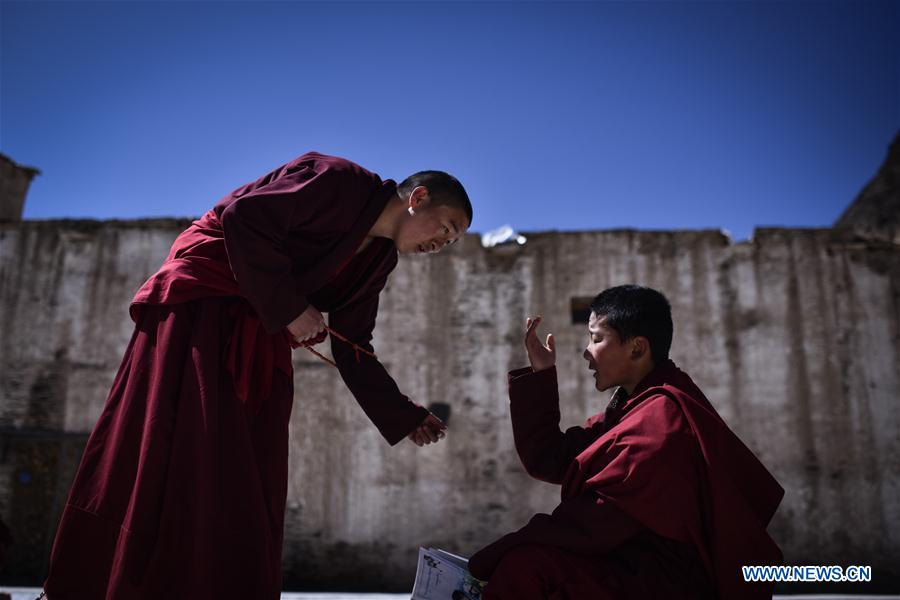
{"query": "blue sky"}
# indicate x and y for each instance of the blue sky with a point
(554, 115)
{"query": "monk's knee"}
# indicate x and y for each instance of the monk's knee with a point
(531, 556)
(525, 572)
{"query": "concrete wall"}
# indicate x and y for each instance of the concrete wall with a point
(794, 337)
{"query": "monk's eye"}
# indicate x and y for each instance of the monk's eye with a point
(446, 230)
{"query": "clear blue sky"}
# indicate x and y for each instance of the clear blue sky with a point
(554, 115)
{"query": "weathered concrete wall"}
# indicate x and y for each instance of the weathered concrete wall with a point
(794, 337)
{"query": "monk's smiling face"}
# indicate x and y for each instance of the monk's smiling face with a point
(613, 361)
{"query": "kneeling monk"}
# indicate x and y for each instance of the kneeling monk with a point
(660, 499)
(181, 491)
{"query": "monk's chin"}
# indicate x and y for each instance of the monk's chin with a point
(602, 387)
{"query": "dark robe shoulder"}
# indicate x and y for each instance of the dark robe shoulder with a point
(293, 229)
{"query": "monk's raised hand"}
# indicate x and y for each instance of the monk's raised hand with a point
(430, 431)
(541, 356)
(307, 325)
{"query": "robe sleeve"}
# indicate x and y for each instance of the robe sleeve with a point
(545, 451)
(583, 524)
(393, 413)
(254, 226)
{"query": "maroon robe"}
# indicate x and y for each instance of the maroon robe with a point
(659, 500)
(181, 490)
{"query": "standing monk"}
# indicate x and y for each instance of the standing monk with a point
(660, 499)
(181, 490)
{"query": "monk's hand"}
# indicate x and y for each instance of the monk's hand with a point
(541, 356)
(307, 326)
(431, 430)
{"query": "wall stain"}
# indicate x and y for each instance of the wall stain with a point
(855, 389)
(731, 328)
(798, 390)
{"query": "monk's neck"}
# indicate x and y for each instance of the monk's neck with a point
(386, 224)
(637, 377)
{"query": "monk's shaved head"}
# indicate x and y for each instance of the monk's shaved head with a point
(444, 190)
(632, 311)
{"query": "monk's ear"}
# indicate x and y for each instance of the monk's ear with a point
(419, 197)
(640, 347)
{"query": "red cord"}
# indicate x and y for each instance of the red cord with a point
(356, 348)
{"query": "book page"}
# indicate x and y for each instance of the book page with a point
(443, 576)
(453, 559)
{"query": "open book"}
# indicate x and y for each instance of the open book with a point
(444, 576)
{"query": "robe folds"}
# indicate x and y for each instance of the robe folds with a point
(182, 487)
(659, 499)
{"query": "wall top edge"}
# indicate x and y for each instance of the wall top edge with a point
(760, 234)
(90, 224)
(166, 221)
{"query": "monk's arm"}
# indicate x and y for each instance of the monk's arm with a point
(254, 226)
(393, 413)
(545, 451)
(581, 525)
